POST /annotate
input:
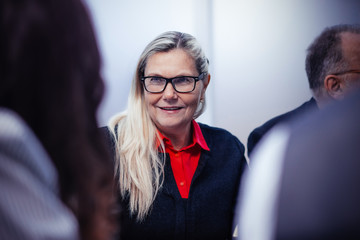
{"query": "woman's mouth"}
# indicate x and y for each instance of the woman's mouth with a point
(170, 108)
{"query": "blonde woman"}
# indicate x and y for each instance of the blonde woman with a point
(178, 179)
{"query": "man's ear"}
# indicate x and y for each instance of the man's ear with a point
(334, 86)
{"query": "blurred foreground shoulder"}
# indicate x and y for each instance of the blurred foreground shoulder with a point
(29, 188)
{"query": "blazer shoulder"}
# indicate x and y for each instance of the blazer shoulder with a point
(216, 135)
(255, 136)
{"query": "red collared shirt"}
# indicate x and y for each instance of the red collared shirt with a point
(185, 161)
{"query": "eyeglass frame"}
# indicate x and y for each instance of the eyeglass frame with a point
(169, 80)
(344, 72)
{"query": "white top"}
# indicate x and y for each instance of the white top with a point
(30, 206)
(260, 187)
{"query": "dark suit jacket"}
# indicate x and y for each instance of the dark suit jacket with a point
(208, 212)
(256, 135)
(319, 191)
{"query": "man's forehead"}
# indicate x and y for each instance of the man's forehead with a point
(351, 45)
(350, 39)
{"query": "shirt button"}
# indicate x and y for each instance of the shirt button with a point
(182, 184)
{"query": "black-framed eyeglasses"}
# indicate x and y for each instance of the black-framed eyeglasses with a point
(181, 84)
(347, 71)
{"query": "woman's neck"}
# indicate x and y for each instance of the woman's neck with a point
(180, 138)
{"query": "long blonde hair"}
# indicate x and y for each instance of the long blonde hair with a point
(139, 166)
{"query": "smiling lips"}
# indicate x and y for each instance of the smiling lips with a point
(170, 108)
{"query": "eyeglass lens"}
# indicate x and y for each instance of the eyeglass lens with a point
(158, 84)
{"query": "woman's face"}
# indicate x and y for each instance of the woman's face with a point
(169, 110)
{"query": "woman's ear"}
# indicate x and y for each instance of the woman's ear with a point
(334, 86)
(206, 82)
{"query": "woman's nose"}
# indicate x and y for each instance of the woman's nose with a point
(169, 92)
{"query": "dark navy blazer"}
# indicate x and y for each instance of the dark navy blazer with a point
(256, 135)
(209, 210)
(322, 161)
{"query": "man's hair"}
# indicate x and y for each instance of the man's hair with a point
(324, 55)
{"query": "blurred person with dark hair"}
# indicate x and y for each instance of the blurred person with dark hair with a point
(55, 180)
(333, 70)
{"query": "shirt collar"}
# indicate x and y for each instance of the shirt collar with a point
(197, 138)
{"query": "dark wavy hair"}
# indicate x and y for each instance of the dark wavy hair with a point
(324, 55)
(50, 76)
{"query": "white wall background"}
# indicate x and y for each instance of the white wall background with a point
(256, 49)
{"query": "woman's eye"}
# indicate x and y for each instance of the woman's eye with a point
(182, 80)
(156, 80)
